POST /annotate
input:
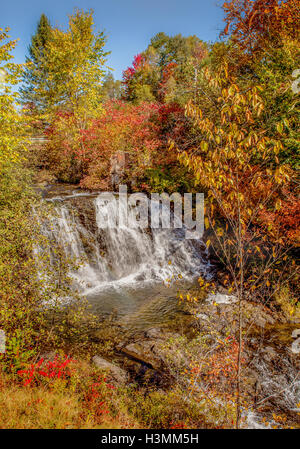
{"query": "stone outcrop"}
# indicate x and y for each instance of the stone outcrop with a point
(117, 374)
(155, 350)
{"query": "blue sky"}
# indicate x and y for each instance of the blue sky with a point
(129, 24)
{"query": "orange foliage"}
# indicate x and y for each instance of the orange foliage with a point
(285, 221)
(252, 23)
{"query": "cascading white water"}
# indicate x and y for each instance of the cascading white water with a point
(138, 256)
(132, 255)
(124, 268)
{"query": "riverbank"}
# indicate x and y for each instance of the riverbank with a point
(177, 376)
(141, 343)
(78, 369)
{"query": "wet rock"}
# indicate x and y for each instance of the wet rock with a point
(202, 316)
(145, 352)
(86, 212)
(155, 332)
(224, 315)
(295, 346)
(296, 333)
(257, 314)
(117, 373)
(157, 354)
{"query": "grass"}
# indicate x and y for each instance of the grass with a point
(84, 400)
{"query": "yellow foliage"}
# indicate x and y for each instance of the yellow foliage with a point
(12, 126)
(288, 303)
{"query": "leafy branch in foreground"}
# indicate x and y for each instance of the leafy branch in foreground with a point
(238, 167)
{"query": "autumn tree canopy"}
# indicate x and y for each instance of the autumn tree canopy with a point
(166, 71)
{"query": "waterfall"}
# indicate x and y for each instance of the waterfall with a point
(125, 255)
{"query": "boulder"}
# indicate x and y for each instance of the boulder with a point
(202, 316)
(296, 333)
(145, 351)
(117, 373)
(157, 354)
(295, 346)
(155, 332)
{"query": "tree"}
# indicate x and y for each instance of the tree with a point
(274, 74)
(12, 143)
(253, 24)
(237, 165)
(166, 71)
(74, 61)
(124, 128)
(111, 88)
(140, 79)
(35, 71)
(263, 48)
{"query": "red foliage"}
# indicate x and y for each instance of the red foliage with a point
(285, 221)
(123, 128)
(56, 369)
(173, 121)
(223, 363)
(138, 64)
(140, 133)
(167, 72)
(221, 367)
(95, 398)
(173, 127)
